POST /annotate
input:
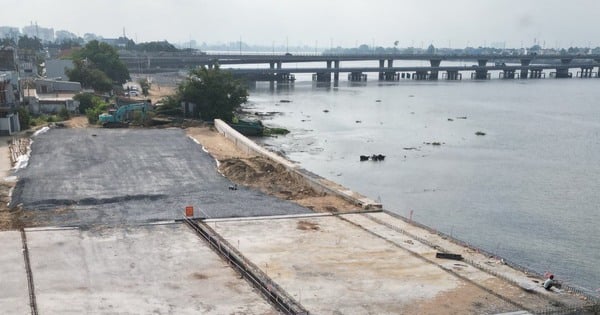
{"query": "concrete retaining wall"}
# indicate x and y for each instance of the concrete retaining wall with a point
(318, 183)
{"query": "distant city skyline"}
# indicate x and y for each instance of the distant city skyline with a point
(323, 24)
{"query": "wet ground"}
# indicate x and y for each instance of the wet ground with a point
(80, 177)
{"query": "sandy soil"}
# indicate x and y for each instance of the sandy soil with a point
(264, 174)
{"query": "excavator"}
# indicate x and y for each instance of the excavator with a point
(120, 118)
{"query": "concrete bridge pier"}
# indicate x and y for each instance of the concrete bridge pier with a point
(390, 75)
(322, 77)
(586, 72)
(537, 73)
(357, 77)
(433, 74)
(336, 71)
(421, 75)
(481, 74)
(563, 71)
(381, 73)
(507, 74)
(525, 72)
(453, 75)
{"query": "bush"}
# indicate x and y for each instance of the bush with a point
(64, 114)
(24, 117)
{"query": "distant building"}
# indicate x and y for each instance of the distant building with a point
(56, 68)
(43, 33)
(63, 35)
(9, 92)
(50, 96)
(10, 32)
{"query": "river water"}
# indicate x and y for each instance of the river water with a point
(528, 190)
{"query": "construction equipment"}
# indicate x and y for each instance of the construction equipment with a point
(120, 118)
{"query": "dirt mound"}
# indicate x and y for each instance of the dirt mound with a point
(262, 173)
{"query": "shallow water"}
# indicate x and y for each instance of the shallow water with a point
(527, 190)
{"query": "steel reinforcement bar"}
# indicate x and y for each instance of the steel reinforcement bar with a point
(275, 294)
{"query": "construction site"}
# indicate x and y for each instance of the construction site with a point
(203, 221)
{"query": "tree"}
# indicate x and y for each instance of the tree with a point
(89, 76)
(145, 85)
(431, 49)
(105, 58)
(215, 92)
(30, 43)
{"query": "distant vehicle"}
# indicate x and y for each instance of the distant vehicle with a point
(288, 54)
(132, 93)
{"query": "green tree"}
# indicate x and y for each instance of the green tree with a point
(215, 92)
(30, 43)
(89, 76)
(105, 58)
(145, 85)
(24, 117)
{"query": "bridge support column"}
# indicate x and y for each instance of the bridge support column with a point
(563, 71)
(357, 77)
(390, 74)
(381, 72)
(453, 75)
(336, 71)
(421, 75)
(481, 74)
(322, 77)
(525, 72)
(435, 63)
(508, 74)
(586, 72)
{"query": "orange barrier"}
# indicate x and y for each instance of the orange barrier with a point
(189, 211)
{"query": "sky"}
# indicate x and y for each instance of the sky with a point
(322, 23)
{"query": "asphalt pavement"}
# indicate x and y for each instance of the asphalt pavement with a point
(79, 177)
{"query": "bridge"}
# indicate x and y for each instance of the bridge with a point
(509, 66)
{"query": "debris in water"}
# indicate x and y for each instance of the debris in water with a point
(377, 101)
(285, 101)
(325, 111)
(358, 121)
(461, 117)
(480, 133)
(450, 119)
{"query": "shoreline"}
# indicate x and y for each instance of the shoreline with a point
(479, 271)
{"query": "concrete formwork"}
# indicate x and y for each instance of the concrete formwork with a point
(14, 296)
(158, 269)
(353, 265)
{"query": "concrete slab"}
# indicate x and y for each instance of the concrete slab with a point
(158, 269)
(14, 298)
(332, 266)
(121, 176)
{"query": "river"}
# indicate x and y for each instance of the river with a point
(528, 190)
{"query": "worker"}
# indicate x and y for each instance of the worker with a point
(549, 283)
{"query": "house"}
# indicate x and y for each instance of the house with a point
(9, 91)
(51, 96)
(56, 68)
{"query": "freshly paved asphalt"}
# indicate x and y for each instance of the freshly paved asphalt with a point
(122, 176)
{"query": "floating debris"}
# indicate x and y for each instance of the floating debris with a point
(450, 119)
(461, 117)
(480, 133)
(377, 101)
(411, 95)
(359, 121)
(326, 111)
(409, 148)
(374, 157)
(432, 143)
(285, 101)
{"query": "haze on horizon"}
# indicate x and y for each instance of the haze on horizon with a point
(323, 23)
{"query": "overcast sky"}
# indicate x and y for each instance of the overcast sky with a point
(321, 23)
